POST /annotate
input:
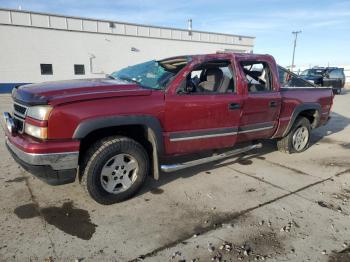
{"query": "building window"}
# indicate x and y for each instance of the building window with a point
(46, 69)
(79, 69)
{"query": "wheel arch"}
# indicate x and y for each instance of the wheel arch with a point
(311, 111)
(144, 129)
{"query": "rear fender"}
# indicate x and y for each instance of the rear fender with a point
(298, 110)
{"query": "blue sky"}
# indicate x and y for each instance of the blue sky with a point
(325, 25)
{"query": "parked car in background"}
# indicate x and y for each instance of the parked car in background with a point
(326, 76)
(111, 133)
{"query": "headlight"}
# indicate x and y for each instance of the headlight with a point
(36, 131)
(39, 112)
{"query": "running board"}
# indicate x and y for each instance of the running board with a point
(179, 166)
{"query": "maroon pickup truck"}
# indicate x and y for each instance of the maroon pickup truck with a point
(111, 133)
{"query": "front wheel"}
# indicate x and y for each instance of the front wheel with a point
(298, 138)
(114, 170)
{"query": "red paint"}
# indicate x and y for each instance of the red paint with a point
(198, 112)
(35, 146)
(293, 98)
(76, 101)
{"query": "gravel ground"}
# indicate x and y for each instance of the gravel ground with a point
(261, 206)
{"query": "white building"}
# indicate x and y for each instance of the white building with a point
(36, 47)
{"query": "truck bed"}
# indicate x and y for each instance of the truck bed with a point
(299, 98)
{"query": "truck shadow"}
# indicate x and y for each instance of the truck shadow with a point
(336, 124)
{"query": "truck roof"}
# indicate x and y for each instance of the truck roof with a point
(220, 55)
(326, 68)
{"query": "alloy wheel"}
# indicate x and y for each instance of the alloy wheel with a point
(119, 173)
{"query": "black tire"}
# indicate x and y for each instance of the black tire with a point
(95, 160)
(285, 144)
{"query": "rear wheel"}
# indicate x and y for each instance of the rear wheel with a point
(114, 169)
(298, 138)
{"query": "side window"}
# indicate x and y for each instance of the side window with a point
(283, 76)
(336, 73)
(208, 78)
(228, 76)
(332, 74)
(258, 76)
(195, 77)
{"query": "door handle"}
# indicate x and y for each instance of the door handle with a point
(234, 106)
(273, 104)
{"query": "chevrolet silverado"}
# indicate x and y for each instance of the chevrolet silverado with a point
(111, 133)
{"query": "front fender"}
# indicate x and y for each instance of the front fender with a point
(151, 122)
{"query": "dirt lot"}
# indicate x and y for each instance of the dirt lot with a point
(263, 206)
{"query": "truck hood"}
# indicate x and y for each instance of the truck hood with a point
(75, 90)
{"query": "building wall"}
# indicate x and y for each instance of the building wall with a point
(30, 39)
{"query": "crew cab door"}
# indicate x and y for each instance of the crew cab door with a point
(262, 100)
(202, 111)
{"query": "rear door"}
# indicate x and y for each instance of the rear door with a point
(201, 114)
(262, 100)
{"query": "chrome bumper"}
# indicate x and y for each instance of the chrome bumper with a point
(8, 122)
(57, 161)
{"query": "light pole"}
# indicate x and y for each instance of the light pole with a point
(295, 33)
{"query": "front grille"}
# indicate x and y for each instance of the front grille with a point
(19, 124)
(19, 113)
(20, 109)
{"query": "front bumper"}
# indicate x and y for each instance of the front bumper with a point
(53, 168)
(48, 161)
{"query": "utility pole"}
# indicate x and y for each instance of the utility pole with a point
(189, 26)
(295, 33)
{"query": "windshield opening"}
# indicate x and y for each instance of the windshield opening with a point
(152, 74)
